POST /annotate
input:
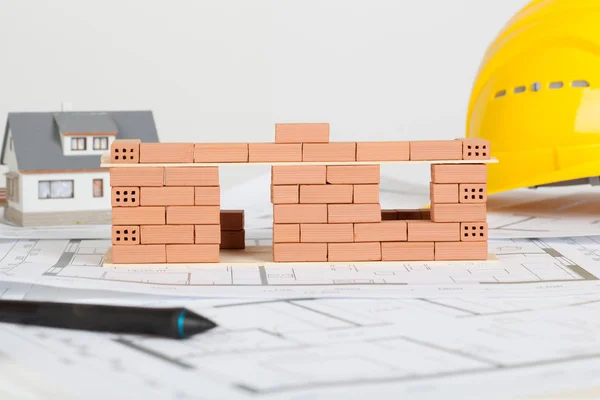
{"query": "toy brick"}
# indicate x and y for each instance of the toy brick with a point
(138, 216)
(354, 251)
(443, 193)
(383, 151)
(425, 214)
(274, 152)
(408, 215)
(389, 215)
(476, 149)
(366, 194)
(232, 220)
(285, 194)
(125, 151)
(458, 173)
(126, 235)
(323, 152)
(233, 240)
(472, 193)
(459, 251)
(458, 212)
(207, 195)
(286, 233)
(326, 233)
(436, 150)
(353, 174)
(166, 152)
(424, 231)
(193, 253)
(302, 133)
(192, 176)
(125, 196)
(197, 215)
(301, 174)
(299, 252)
(407, 251)
(141, 254)
(220, 152)
(167, 234)
(326, 194)
(474, 232)
(142, 176)
(207, 234)
(353, 213)
(167, 196)
(384, 231)
(300, 213)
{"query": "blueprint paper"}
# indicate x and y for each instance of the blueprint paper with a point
(9, 231)
(525, 266)
(333, 349)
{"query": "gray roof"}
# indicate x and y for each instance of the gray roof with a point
(37, 140)
(70, 122)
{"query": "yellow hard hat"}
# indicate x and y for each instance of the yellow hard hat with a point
(537, 96)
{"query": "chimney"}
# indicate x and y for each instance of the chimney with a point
(66, 106)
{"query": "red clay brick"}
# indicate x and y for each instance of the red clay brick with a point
(221, 152)
(125, 151)
(436, 150)
(192, 176)
(407, 251)
(324, 152)
(286, 233)
(384, 231)
(326, 194)
(354, 252)
(299, 213)
(300, 174)
(353, 213)
(299, 252)
(138, 176)
(141, 254)
(167, 196)
(353, 174)
(166, 153)
(326, 233)
(383, 151)
(274, 152)
(458, 173)
(302, 133)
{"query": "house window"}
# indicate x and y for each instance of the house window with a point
(100, 143)
(98, 188)
(55, 189)
(78, 143)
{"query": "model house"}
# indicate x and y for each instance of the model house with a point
(53, 162)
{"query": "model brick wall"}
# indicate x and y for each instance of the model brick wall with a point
(325, 196)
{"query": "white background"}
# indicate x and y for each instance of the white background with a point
(228, 70)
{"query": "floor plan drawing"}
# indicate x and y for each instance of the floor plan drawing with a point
(334, 348)
(79, 262)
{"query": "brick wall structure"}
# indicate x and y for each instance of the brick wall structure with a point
(325, 196)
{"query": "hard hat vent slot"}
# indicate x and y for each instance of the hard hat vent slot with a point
(580, 84)
(520, 89)
(556, 85)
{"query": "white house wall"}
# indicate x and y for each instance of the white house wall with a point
(89, 146)
(10, 159)
(83, 189)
